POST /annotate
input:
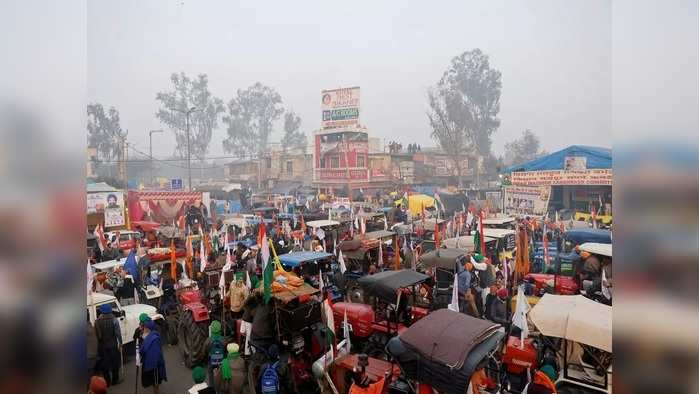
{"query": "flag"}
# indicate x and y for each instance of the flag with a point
(341, 260)
(606, 291)
(173, 261)
(90, 277)
(438, 202)
(404, 201)
(321, 283)
(469, 220)
(480, 229)
(424, 214)
(268, 270)
(264, 245)
(522, 257)
(248, 283)
(346, 333)
(303, 224)
(225, 239)
(385, 223)
(202, 252)
(454, 305)
(546, 247)
(519, 318)
(477, 242)
(334, 245)
(308, 205)
(99, 233)
(363, 226)
(436, 234)
(329, 216)
(593, 214)
(380, 254)
(330, 320)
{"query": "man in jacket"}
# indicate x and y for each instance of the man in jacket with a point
(231, 375)
(152, 360)
(498, 311)
(466, 299)
(238, 293)
(109, 343)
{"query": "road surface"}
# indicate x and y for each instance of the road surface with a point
(179, 377)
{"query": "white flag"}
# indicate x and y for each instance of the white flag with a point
(454, 305)
(329, 217)
(385, 223)
(341, 260)
(248, 283)
(202, 252)
(519, 318)
(100, 237)
(346, 333)
(334, 245)
(380, 253)
(606, 291)
(321, 283)
(90, 277)
(330, 319)
(363, 226)
(225, 239)
(264, 252)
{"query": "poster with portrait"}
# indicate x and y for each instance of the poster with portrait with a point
(110, 204)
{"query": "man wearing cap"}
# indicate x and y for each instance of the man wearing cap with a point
(199, 378)
(152, 360)
(230, 376)
(238, 293)
(466, 299)
(97, 385)
(109, 343)
(215, 349)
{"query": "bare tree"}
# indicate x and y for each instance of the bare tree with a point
(523, 149)
(250, 119)
(465, 103)
(293, 137)
(188, 93)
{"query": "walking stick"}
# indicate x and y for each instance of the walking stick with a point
(138, 365)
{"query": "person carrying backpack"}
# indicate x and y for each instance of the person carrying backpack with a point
(276, 376)
(215, 348)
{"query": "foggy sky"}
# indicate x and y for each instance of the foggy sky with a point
(555, 59)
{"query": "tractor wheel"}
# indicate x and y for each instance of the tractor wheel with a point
(375, 351)
(191, 340)
(355, 293)
(172, 323)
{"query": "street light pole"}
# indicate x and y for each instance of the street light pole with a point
(189, 155)
(150, 145)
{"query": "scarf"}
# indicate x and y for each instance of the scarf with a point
(226, 366)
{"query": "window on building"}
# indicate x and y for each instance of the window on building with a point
(322, 162)
(335, 161)
(289, 167)
(269, 162)
(361, 161)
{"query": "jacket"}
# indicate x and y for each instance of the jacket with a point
(498, 311)
(464, 280)
(108, 331)
(152, 354)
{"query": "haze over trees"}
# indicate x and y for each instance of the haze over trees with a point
(463, 108)
(293, 137)
(523, 149)
(185, 94)
(104, 131)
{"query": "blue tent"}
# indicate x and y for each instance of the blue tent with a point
(295, 259)
(596, 157)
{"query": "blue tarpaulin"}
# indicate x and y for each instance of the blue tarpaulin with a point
(295, 259)
(596, 157)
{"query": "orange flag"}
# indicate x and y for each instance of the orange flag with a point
(522, 258)
(173, 261)
(436, 234)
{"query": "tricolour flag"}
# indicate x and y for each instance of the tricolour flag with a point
(346, 333)
(267, 266)
(99, 233)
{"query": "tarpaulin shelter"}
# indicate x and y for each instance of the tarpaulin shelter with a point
(163, 206)
(418, 201)
(596, 157)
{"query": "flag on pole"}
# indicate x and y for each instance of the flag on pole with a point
(469, 220)
(321, 283)
(380, 254)
(546, 247)
(268, 271)
(405, 201)
(173, 261)
(606, 291)
(519, 318)
(480, 229)
(99, 233)
(90, 277)
(248, 282)
(341, 261)
(264, 245)
(334, 245)
(329, 215)
(363, 226)
(346, 333)
(385, 222)
(202, 251)
(454, 305)
(352, 222)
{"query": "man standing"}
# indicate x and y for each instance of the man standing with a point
(110, 253)
(152, 360)
(466, 299)
(108, 344)
(215, 349)
(230, 377)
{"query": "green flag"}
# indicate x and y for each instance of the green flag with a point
(477, 242)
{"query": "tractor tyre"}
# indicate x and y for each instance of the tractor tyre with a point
(191, 338)
(172, 323)
(355, 294)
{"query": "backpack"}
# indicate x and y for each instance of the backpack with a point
(270, 380)
(217, 353)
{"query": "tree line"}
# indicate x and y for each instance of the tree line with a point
(249, 119)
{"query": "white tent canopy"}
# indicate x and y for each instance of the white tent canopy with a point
(597, 248)
(575, 318)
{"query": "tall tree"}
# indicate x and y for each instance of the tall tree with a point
(293, 137)
(523, 149)
(104, 131)
(464, 105)
(250, 119)
(188, 93)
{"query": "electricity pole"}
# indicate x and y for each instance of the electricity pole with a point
(189, 148)
(150, 137)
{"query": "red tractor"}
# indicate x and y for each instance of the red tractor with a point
(192, 325)
(392, 306)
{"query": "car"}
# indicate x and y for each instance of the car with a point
(127, 314)
(127, 239)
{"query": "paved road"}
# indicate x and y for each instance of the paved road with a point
(179, 377)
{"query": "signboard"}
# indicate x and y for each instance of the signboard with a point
(111, 204)
(340, 107)
(176, 184)
(575, 163)
(527, 200)
(600, 177)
